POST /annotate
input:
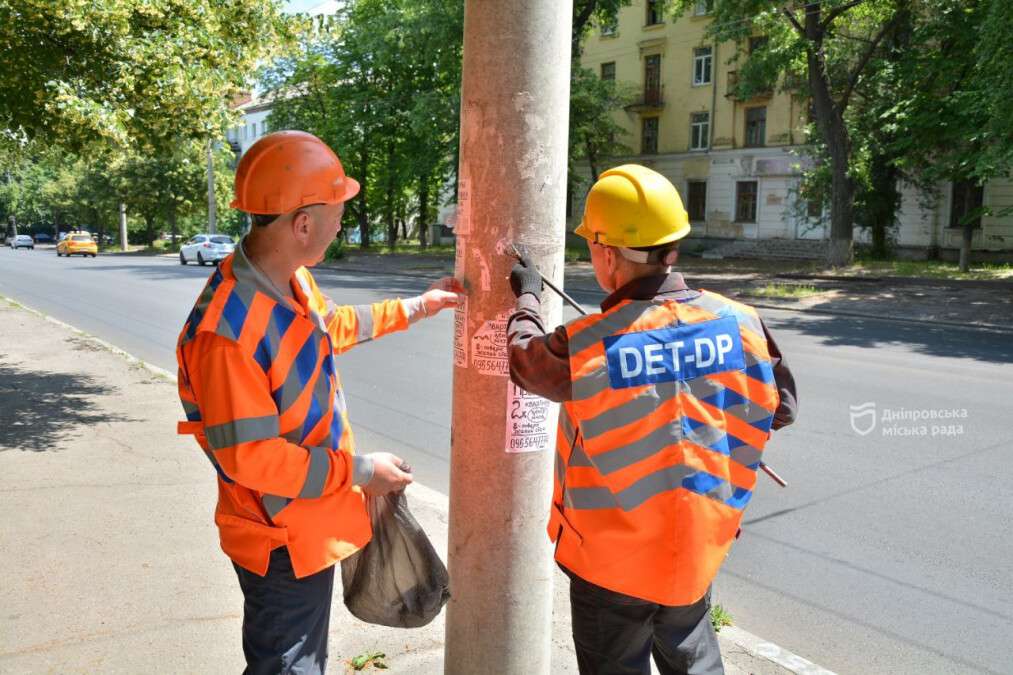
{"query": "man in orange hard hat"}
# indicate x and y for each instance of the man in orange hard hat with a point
(669, 395)
(261, 393)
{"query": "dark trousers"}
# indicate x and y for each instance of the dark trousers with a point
(285, 619)
(616, 634)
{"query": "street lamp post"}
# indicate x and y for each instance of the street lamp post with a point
(512, 188)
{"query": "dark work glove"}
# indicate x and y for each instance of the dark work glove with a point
(524, 278)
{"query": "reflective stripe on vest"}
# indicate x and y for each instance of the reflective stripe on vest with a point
(672, 406)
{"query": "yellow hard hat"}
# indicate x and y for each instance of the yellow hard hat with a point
(632, 206)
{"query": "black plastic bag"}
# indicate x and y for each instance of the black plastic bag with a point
(397, 579)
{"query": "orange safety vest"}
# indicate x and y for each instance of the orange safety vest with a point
(306, 423)
(658, 450)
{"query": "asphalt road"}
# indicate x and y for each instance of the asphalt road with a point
(889, 552)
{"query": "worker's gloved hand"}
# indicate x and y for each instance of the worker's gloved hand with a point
(524, 278)
(390, 474)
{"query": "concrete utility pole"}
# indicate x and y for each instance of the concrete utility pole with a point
(123, 226)
(512, 188)
(212, 204)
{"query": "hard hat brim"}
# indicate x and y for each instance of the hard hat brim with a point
(584, 231)
(350, 189)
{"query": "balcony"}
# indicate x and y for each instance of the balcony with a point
(733, 82)
(651, 98)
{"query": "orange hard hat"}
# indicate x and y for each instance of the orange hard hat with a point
(286, 170)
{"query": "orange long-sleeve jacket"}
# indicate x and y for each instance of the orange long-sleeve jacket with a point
(263, 398)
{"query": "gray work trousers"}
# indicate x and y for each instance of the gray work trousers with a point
(285, 620)
(617, 634)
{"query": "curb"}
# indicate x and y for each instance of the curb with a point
(133, 360)
(763, 657)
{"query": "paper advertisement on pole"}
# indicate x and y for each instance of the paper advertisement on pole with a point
(489, 347)
(530, 421)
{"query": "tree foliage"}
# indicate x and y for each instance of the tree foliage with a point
(382, 86)
(127, 72)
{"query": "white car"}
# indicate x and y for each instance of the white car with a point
(21, 241)
(206, 248)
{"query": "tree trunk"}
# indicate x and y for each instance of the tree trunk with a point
(149, 230)
(99, 226)
(830, 122)
(882, 203)
(424, 212)
(173, 228)
(388, 207)
(965, 246)
(363, 214)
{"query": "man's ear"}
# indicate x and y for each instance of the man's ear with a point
(301, 222)
(611, 258)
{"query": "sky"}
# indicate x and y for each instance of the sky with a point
(311, 6)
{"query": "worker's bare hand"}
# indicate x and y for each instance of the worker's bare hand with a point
(447, 292)
(388, 475)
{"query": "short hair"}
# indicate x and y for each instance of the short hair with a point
(263, 219)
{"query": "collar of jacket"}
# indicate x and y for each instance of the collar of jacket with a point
(247, 273)
(647, 288)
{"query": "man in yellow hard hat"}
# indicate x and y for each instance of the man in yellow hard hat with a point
(261, 393)
(669, 395)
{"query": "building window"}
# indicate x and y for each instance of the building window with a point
(649, 136)
(699, 131)
(703, 7)
(611, 28)
(608, 71)
(757, 43)
(652, 79)
(702, 59)
(263, 127)
(814, 208)
(655, 12)
(243, 133)
(967, 198)
(745, 201)
(756, 127)
(696, 200)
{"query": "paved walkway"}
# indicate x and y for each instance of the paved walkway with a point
(109, 555)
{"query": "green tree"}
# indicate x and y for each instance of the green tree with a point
(127, 72)
(824, 48)
(951, 120)
(382, 87)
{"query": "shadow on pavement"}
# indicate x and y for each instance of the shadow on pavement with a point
(924, 338)
(39, 409)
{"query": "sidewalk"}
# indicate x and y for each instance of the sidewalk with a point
(983, 304)
(110, 557)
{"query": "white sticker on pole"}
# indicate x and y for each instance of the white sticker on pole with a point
(463, 225)
(531, 421)
(489, 347)
(461, 334)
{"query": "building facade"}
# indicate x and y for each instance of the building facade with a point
(252, 125)
(737, 162)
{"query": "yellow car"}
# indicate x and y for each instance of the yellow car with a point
(77, 243)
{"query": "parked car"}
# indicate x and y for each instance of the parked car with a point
(206, 248)
(20, 241)
(43, 238)
(77, 243)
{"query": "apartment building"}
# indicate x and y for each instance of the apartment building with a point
(737, 162)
